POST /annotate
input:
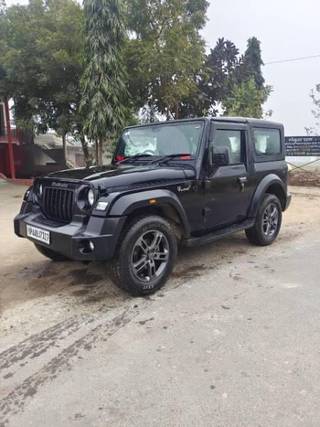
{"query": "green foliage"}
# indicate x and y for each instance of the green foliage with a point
(246, 100)
(43, 64)
(235, 82)
(165, 53)
(72, 69)
(104, 90)
(221, 73)
(3, 48)
(251, 62)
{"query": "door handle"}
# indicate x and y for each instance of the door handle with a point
(242, 181)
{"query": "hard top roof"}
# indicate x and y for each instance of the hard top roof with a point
(252, 121)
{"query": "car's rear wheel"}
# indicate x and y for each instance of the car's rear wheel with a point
(49, 253)
(146, 256)
(268, 222)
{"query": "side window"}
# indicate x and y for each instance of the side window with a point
(233, 141)
(267, 142)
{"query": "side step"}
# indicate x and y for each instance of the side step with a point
(218, 234)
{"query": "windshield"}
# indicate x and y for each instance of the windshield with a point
(161, 140)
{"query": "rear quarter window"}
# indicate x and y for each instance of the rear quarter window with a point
(267, 144)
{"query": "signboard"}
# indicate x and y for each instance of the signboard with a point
(302, 145)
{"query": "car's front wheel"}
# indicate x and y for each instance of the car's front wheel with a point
(268, 222)
(146, 255)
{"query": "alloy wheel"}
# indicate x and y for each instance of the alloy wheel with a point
(150, 255)
(270, 220)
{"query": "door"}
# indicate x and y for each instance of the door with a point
(227, 189)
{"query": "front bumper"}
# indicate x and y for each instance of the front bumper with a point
(72, 240)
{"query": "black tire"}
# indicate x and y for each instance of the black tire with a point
(49, 253)
(138, 256)
(265, 230)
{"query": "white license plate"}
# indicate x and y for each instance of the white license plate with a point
(38, 234)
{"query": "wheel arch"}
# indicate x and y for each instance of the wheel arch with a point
(270, 184)
(154, 202)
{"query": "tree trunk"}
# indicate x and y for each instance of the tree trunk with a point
(85, 150)
(64, 147)
(97, 152)
(100, 152)
(177, 111)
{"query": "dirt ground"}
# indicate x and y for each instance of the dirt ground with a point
(305, 178)
(233, 338)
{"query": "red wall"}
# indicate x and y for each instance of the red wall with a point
(18, 160)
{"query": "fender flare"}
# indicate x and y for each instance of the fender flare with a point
(262, 188)
(127, 204)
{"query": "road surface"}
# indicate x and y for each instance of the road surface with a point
(232, 340)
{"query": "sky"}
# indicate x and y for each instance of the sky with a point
(287, 29)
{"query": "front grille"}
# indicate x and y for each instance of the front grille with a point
(57, 203)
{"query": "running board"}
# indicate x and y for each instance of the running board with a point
(218, 234)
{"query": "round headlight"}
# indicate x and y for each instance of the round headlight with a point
(91, 197)
(26, 195)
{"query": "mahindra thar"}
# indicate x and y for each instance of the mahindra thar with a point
(185, 182)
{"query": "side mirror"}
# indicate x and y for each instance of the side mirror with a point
(219, 156)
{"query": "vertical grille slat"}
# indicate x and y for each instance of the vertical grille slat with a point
(69, 204)
(60, 204)
(49, 200)
(57, 203)
(45, 200)
(63, 205)
(65, 209)
(52, 204)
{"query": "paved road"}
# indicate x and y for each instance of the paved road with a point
(233, 339)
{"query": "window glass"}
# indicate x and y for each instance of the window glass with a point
(161, 140)
(232, 141)
(267, 141)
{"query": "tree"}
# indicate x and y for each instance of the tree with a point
(165, 53)
(60, 109)
(104, 96)
(246, 100)
(247, 91)
(43, 62)
(251, 63)
(315, 96)
(220, 77)
(235, 83)
(3, 46)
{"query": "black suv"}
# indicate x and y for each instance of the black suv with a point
(185, 182)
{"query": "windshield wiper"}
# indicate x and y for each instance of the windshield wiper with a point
(164, 159)
(135, 157)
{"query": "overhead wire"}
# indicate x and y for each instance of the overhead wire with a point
(301, 58)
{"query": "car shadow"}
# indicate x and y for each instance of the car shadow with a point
(90, 284)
